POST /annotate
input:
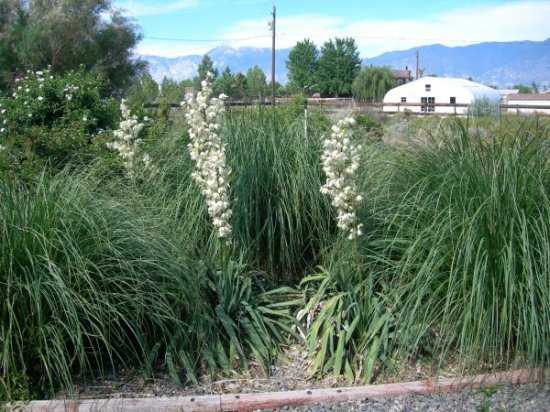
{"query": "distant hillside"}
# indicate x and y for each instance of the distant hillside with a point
(237, 59)
(502, 64)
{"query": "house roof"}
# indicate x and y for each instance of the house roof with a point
(530, 96)
(401, 74)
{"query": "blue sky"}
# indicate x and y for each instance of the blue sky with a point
(377, 26)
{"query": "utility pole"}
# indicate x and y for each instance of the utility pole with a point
(273, 57)
(417, 64)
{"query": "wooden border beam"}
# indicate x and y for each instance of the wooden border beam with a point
(270, 400)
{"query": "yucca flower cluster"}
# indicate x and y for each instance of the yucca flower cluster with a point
(207, 150)
(3, 120)
(127, 140)
(340, 159)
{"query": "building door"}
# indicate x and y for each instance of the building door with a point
(431, 104)
(427, 104)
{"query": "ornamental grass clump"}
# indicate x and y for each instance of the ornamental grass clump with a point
(207, 150)
(127, 140)
(340, 161)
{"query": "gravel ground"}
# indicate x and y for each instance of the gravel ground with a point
(291, 373)
(532, 397)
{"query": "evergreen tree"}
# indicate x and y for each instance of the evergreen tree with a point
(372, 84)
(302, 64)
(339, 64)
(206, 65)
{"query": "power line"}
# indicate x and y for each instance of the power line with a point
(266, 36)
(205, 40)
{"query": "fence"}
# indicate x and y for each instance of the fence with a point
(334, 104)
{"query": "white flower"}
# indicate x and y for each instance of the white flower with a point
(127, 139)
(340, 160)
(2, 130)
(207, 150)
(40, 98)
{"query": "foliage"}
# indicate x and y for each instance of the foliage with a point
(87, 284)
(250, 319)
(484, 107)
(67, 34)
(53, 120)
(339, 64)
(467, 218)
(522, 88)
(302, 65)
(372, 84)
(142, 91)
(225, 83)
(276, 172)
(350, 325)
(369, 126)
(256, 83)
(205, 66)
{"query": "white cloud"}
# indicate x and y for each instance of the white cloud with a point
(512, 21)
(173, 48)
(136, 8)
(518, 20)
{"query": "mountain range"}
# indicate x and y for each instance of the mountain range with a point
(501, 64)
(237, 59)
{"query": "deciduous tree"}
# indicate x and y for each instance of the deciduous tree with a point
(372, 83)
(338, 66)
(302, 65)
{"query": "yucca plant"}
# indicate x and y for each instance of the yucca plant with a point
(250, 319)
(348, 319)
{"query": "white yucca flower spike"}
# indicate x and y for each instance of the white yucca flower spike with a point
(127, 140)
(340, 160)
(207, 150)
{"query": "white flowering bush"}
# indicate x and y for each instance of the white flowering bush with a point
(40, 126)
(340, 160)
(207, 149)
(128, 141)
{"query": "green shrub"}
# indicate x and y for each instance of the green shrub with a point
(52, 120)
(86, 284)
(467, 220)
(280, 217)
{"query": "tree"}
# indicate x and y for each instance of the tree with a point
(143, 90)
(206, 66)
(372, 84)
(522, 88)
(302, 65)
(338, 66)
(241, 88)
(256, 83)
(225, 83)
(65, 35)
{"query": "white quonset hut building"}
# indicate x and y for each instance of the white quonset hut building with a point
(423, 95)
